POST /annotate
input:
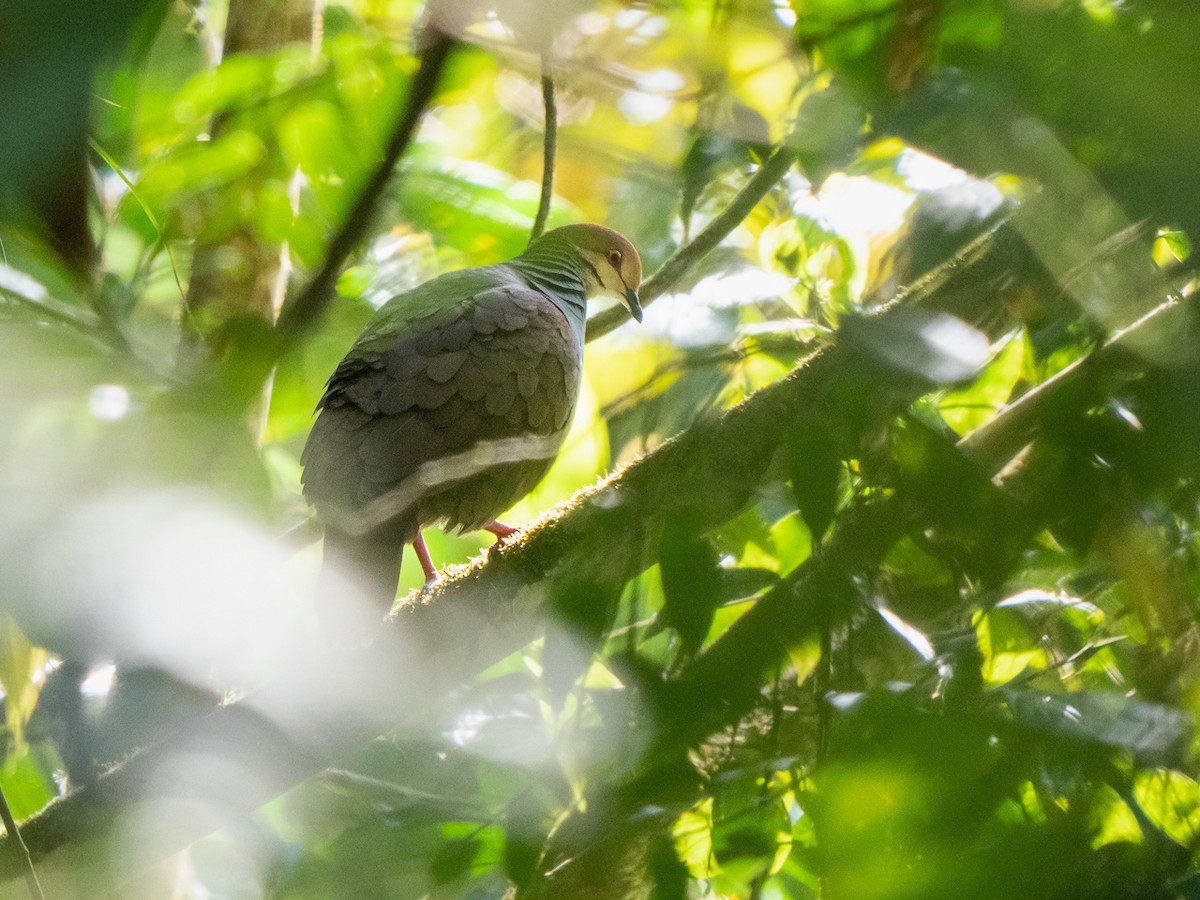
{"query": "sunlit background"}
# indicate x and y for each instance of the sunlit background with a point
(1001, 708)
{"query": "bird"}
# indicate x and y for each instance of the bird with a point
(454, 402)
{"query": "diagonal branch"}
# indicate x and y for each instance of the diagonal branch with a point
(682, 260)
(14, 834)
(473, 618)
(999, 438)
(18, 288)
(302, 312)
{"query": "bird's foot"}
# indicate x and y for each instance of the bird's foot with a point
(500, 530)
(424, 593)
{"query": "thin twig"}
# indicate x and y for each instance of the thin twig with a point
(149, 213)
(739, 350)
(301, 313)
(1005, 433)
(110, 323)
(548, 150)
(14, 833)
(20, 288)
(82, 320)
(717, 230)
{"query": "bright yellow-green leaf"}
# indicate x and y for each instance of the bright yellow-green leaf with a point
(693, 839)
(1171, 247)
(971, 406)
(1171, 800)
(1112, 820)
(804, 658)
(238, 79)
(726, 616)
(1007, 648)
(354, 281)
(792, 541)
(313, 137)
(27, 788)
(20, 666)
(199, 167)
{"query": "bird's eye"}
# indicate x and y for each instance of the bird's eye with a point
(614, 257)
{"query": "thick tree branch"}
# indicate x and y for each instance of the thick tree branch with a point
(682, 260)
(549, 144)
(474, 618)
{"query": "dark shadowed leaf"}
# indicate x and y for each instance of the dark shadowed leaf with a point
(814, 469)
(1151, 732)
(691, 582)
(931, 345)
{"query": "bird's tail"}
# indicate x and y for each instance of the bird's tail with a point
(359, 576)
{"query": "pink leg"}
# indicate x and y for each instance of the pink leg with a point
(423, 557)
(500, 530)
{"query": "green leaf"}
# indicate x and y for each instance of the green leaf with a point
(791, 541)
(814, 467)
(934, 346)
(582, 612)
(472, 207)
(133, 191)
(691, 583)
(1112, 820)
(354, 281)
(828, 130)
(1008, 648)
(969, 407)
(240, 79)
(21, 664)
(1171, 800)
(1176, 244)
(851, 35)
(313, 137)
(27, 782)
(669, 874)
(752, 833)
(453, 860)
(1149, 731)
(199, 167)
(693, 839)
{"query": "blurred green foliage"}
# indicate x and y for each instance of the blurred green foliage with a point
(973, 565)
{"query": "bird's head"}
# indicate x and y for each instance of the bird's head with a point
(614, 267)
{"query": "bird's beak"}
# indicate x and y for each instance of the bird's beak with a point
(635, 307)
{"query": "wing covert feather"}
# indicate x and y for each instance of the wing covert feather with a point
(435, 380)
